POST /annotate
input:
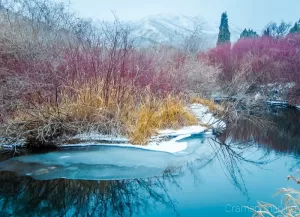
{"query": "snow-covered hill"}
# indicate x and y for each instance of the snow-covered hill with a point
(175, 30)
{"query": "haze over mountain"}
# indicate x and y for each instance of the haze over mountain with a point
(254, 14)
(175, 30)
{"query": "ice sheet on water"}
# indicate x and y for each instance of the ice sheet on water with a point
(102, 163)
(80, 171)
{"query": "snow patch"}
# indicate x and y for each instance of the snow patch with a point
(277, 103)
(205, 117)
(170, 146)
(100, 137)
(190, 130)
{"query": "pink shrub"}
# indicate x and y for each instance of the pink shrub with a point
(33, 81)
(270, 60)
(276, 60)
(133, 67)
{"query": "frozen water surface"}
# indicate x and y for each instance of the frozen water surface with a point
(99, 163)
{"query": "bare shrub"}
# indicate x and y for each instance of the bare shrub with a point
(201, 78)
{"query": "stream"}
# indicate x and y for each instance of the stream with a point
(214, 176)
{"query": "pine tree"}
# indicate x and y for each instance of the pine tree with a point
(250, 33)
(296, 28)
(224, 33)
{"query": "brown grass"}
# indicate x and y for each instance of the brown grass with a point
(136, 114)
(158, 114)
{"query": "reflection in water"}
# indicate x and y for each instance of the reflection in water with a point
(23, 196)
(233, 156)
(282, 135)
(233, 159)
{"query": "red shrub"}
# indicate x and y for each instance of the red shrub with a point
(277, 60)
(270, 60)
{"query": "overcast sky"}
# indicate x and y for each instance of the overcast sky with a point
(243, 13)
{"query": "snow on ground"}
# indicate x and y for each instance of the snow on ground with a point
(190, 130)
(100, 137)
(298, 107)
(156, 143)
(205, 117)
(5, 146)
(278, 103)
(168, 140)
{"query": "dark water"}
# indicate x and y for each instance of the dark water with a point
(246, 164)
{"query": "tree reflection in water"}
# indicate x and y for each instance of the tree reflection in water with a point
(23, 196)
(246, 144)
(283, 136)
(233, 160)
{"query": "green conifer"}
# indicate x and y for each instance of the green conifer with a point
(224, 33)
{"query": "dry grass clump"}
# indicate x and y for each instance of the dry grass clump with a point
(290, 205)
(133, 113)
(159, 114)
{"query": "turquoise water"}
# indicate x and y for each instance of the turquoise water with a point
(213, 177)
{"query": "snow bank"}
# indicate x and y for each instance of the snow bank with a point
(205, 117)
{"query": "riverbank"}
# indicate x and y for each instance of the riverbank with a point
(167, 140)
(164, 140)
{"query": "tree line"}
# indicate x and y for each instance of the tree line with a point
(272, 29)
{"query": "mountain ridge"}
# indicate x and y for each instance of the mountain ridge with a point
(174, 29)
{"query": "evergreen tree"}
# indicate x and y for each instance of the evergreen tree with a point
(296, 28)
(224, 33)
(250, 33)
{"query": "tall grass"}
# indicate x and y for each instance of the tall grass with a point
(290, 205)
(84, 109)
(155, 114)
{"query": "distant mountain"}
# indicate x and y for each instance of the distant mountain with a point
(174, 30)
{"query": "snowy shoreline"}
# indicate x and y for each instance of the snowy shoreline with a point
(167, 140)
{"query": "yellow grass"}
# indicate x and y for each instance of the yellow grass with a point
(158, 114)
(137, 114)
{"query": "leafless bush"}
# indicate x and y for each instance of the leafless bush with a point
(201, 78)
